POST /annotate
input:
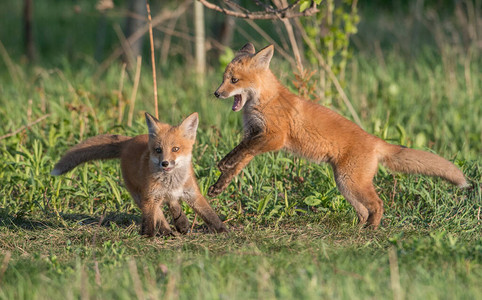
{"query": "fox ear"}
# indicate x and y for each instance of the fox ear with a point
(189, 126)
(153, 124)
(246, 49)
(263, 57)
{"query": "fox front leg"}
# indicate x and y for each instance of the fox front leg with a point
(240, 156)
(153, 220)
(201, 206)
(226, 177)
(233, 157)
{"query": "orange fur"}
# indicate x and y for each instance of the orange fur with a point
(156, 169)
(276, 119)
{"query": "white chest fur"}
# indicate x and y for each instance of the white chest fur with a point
(169, 186)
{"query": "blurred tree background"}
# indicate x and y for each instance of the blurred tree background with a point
(100, 31)
(315, 44)
(52, 30)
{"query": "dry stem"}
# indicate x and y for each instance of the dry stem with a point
(119, 95)
(132, 101)
(153, 60)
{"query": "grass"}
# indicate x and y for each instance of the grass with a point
(292, 234)
(303, 258)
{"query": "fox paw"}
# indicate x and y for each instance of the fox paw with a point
(222, 166)
(168, 233)
(214, 190)
(222, 229)
(227, 163)
(182, 227)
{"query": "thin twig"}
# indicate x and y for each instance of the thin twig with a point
(202, 152)
(193, 222)
(153, 60)
(125, 45)
(24, 127)
(392, 196)
(119, 94)
(132, 101)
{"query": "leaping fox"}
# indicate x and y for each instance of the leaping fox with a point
(276, 119)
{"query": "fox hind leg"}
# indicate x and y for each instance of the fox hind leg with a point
(361, 211)
(358, 190)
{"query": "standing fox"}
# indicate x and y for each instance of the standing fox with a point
(156, 169)
(275, 119)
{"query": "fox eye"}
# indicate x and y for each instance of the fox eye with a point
(175, 149)
(158, 150)
(234, 80)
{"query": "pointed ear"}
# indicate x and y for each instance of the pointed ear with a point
(263, 57)
(153, 124)
(246, 49)
(189, 126)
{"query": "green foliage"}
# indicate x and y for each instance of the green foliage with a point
(305, 4)
(330, 32)
(225, 58)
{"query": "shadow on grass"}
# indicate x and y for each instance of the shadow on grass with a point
(120, 219)
(16, 221)
(48, 221)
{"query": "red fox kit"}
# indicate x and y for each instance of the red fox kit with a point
(275, 119)
(157, 170)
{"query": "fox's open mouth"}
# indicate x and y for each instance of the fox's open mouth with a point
(238, 102)
(167, 169)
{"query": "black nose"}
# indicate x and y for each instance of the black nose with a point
(165, 163)
(216, 94)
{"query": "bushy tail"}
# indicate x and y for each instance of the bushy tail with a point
(99, 147)
(406, 160)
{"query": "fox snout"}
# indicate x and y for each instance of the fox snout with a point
(221, 92)
(167, 165)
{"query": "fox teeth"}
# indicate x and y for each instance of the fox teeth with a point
(237, 102)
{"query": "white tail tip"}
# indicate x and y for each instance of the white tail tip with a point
(464, 185)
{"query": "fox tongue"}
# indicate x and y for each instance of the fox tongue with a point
(237, 102)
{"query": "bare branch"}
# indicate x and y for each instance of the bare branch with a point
(268, 14)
